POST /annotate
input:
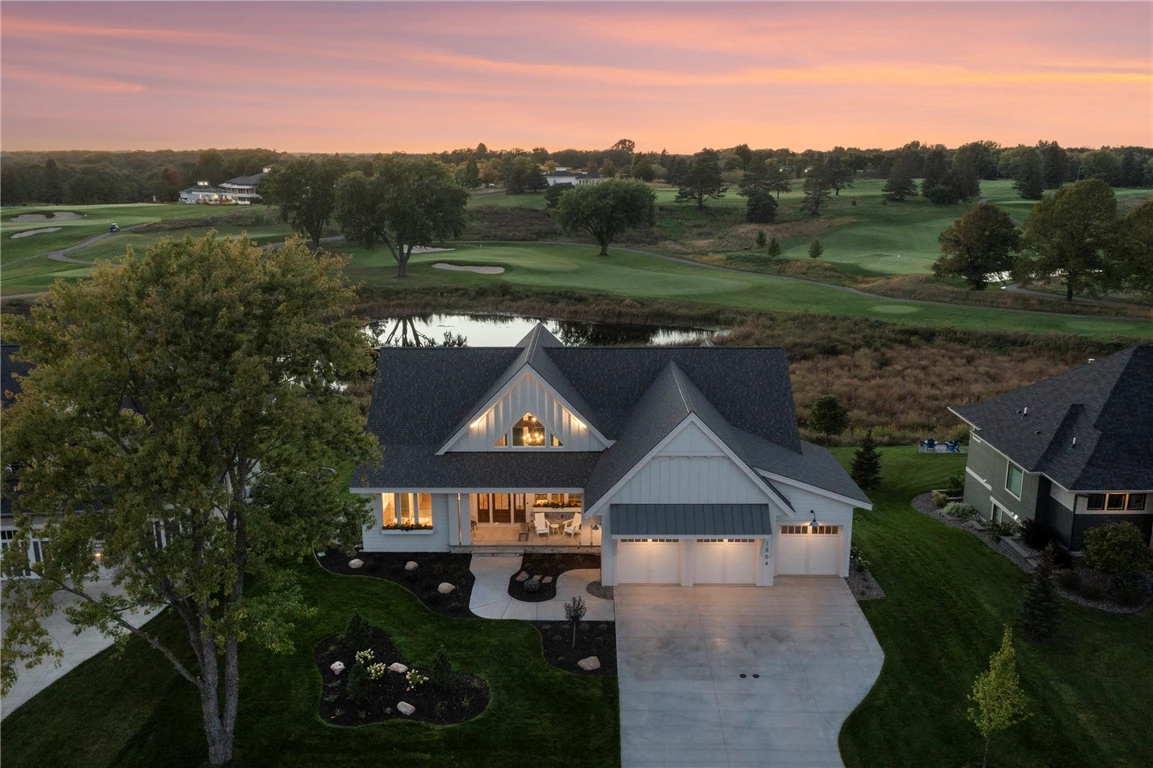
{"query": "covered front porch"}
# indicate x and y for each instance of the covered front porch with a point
(520, 522)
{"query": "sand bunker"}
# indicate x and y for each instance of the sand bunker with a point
(30, 232)
(58, 216)
(462, 268)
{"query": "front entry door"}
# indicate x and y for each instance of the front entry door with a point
(518, 515)
(501, 508)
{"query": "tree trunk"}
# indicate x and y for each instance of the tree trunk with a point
(604, 249)
(1069, 287)
(700, 202)
(219, 717)
(985, 759)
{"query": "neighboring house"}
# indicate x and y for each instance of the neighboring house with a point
(9, 388)
(238, 191)
(1072, 451)
(576, 178)
(682, 465)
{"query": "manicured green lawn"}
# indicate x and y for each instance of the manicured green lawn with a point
(558, 267)
(134, 712)
(947, 598)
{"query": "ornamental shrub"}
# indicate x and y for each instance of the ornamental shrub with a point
(359, 684)
(1116, 548)
(1036, 535)
(356, 633)
(531, 585)
(440, 671)
(940, 499)
(955, 485)
(1002, 530)
(960, 510)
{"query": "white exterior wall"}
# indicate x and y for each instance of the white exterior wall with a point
(690, 480)
(437, 540)
(528, 395)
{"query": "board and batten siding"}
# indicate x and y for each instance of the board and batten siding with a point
(527, 395)
(828, 511)
(437, 540)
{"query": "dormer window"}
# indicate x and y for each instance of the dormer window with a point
(528, 432)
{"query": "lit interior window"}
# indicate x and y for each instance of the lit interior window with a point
(528, 432)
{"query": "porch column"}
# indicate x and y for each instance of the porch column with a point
(586, 532)
(465, 519)
(454, 519)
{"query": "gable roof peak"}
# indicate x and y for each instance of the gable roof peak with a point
(539, 336)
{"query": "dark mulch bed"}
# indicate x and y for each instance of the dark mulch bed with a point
(594, 638)
(434, 569)
(596, 589)
(543, 565)
(463, 699)
(864, 586)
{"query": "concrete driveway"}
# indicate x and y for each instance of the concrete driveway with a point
(807, 654)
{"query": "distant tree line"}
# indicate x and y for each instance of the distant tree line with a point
(86, 178)
(947, 175)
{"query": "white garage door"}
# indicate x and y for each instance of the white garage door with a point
(649, 561)
(807, 551)
(721, 561)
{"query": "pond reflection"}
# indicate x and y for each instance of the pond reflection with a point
(437, 330)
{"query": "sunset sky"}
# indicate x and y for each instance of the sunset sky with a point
(368, 77)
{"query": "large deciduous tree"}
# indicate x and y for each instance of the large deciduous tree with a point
(1072, 234)
(981, 242)
(407, 203)
(194, 391)
(1029, 179)
(606, 209)
(701, 180)
(900, 183)
(1135, 249)
(304, 189)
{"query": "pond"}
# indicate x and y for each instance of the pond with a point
(507, 330)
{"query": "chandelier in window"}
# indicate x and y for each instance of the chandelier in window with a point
(528, 431)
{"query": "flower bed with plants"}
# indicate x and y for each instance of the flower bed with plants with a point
(377, 683)
(432, 570)
(540, 566)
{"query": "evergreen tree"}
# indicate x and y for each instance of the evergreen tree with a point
(467, 174)
(900, 183)
(936, 168)
(702, 179)
(1054, 164)
(866, 468)
(838, 175)
(1030, 179)
(761, 208)
(762, 241)
(1040, 609)
(999, 702)
(816, 188)
(777, 178)
(828, 417)
(816, 249)
(774, 249)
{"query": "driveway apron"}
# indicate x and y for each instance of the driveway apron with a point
(740, 676)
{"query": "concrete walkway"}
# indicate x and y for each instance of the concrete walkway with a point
(490, 598)
(681, 652)
(77, 648)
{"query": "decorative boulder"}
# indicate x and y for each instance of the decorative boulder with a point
(337, 667)
(589, 664)
(357, 563)
(411, 565)
(522, 576)
(405, 708)
(396, 666)
(547, 580)
(445, 588)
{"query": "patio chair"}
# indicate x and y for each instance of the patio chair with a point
(573, 527)
(953, 446)
(541, 524)
(930, 445)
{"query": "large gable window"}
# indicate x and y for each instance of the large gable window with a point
(528, 432)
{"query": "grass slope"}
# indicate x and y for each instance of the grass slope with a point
(568, 267)
(134, 712)
(947, 598)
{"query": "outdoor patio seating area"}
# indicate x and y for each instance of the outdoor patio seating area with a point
(932, 446)
(556, 531)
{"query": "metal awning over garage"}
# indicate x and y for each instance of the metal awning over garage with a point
(690, 520)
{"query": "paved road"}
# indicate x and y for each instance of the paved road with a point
(681, 654)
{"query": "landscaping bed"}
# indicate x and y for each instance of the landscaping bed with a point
(433, 569)
(452, 698)
(540, 566)
(594, 638)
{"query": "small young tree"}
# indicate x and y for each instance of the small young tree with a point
(604, 210)
(774, 248)
(816, 249)
(762, 241)
(440, 671)
(866, 469)
(1040, 609)
(356, 634)
(574, 611)
(999, 703)
(359, 683)
(828, 417)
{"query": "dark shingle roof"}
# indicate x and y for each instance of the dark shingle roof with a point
(633, 396)
(691, 520)
(1106, 405)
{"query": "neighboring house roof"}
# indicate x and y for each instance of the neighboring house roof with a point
(246, 181)
(634, 396)
(1106, 406)
(729, 520)
(9, 388)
